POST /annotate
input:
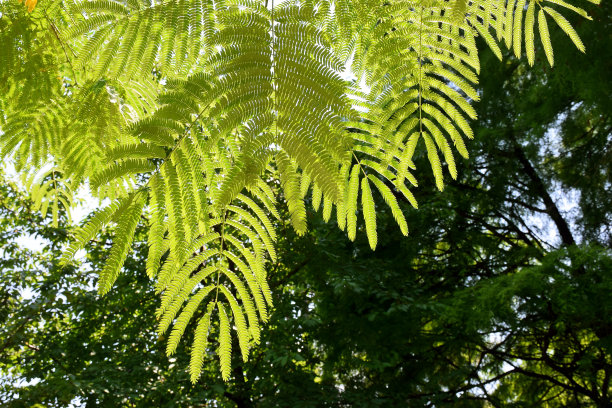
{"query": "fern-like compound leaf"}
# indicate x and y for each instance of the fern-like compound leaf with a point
(200, 342)
(566, 27)
(202, 116)
(517, 31)
(351, 203)
(529, 38)
(545, 37)
(225, 343)
(92, 227)
(369, 212)
(185, 317)
(126, 227)
(391, 201)
(242, 331)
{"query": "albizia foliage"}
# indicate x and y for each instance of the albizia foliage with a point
(205, 115)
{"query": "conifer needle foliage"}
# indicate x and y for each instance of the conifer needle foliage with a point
(203, 116)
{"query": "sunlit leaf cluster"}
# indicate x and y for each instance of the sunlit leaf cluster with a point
(202, 117)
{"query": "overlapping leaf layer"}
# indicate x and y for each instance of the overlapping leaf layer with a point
(205, 115)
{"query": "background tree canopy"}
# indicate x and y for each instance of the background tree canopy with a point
(498, 297)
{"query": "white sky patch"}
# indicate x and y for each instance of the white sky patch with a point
(566, 199)
(85, 204)
(31, 242)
